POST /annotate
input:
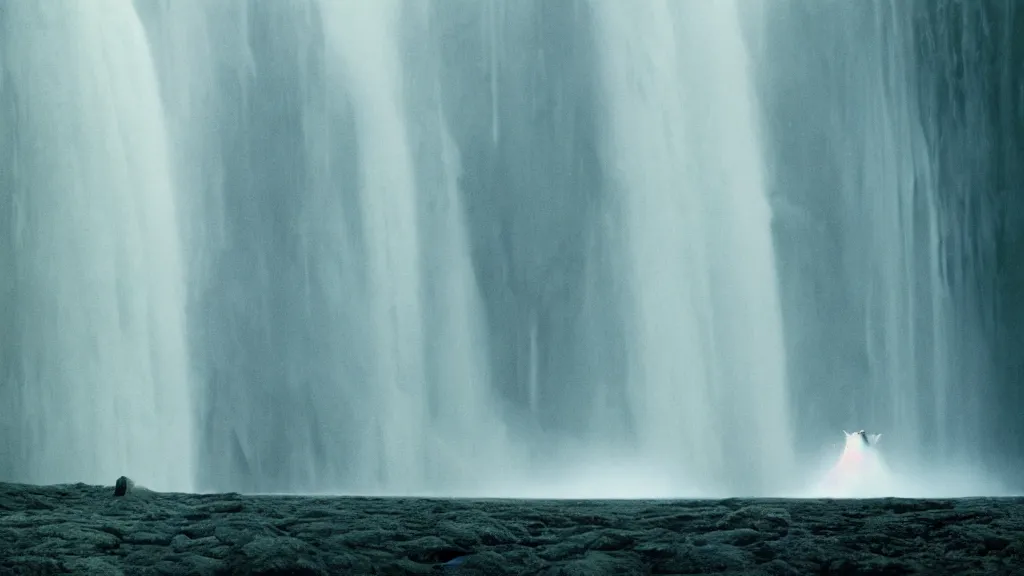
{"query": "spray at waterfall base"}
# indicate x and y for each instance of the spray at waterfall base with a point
(860, 470)
(863, 468)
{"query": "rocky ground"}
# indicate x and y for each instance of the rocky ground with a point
(82, 529)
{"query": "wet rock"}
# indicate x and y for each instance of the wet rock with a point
(122, 486)
(281, 555)
(79, 529)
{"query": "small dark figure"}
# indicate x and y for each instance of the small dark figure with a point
(121, 486)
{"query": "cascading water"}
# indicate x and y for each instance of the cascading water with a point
(876, 241)
(360, 38)
(95, 373)
(431, 418)
(706, 369)
(336, 316)
(489, 247)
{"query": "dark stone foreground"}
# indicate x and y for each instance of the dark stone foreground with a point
(85, 530)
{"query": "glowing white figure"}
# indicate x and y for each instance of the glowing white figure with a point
(859, 467)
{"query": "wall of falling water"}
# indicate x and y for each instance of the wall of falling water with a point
(706, 373)
(877, 231)
(892, 205)
(95, 378)
(504, 247)
(339, 327)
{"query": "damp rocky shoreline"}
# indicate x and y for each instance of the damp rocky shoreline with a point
(81, 529)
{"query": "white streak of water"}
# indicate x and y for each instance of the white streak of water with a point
(707, 380)
(105, 385)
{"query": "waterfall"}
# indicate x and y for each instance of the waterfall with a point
(96, 380)
(504, 247)
(430, 411)
(706, 379)
(884, 257)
